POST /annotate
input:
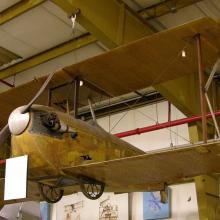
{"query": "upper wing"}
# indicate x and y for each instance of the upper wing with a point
(148, 61)
(152, 170)
(151, 60)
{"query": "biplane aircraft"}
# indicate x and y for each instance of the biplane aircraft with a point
(67, 154)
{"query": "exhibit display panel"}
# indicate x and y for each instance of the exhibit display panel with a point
(109, 206)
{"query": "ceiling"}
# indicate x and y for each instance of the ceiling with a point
(6, 4)
(210, 8)
(26, 35)
(145, 4)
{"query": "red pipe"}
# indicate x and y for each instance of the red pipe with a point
(163, 125)
(2, 162)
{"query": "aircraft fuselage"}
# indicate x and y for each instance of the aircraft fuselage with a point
(74, 142)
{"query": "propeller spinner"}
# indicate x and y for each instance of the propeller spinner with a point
(18, 121)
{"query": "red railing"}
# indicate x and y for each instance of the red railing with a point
(163, 125)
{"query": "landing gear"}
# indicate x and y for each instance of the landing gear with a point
(92, 190)
(52, 187)
(51, 194)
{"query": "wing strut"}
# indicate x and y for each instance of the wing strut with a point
(203, 90)
(76, 97)
(208, 83)
(91, 109)
(201, 87)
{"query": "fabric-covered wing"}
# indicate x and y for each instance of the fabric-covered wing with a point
(152, 170)
(148, 61)
(151, 60)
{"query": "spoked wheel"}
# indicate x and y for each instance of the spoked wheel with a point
(92, 190)
(51, 194)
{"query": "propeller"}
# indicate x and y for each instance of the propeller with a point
(5, 132)
(43, 87)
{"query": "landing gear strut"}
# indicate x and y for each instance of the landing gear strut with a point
(51, 194)
(92, 190)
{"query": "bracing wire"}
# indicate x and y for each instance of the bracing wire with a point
(147, 116)
(131, 108)
(173, 60)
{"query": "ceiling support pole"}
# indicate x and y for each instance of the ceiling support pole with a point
(201, 88)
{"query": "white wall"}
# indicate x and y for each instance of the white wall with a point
(183, 197)
(78, 207)
(183, 203)
(146, 116)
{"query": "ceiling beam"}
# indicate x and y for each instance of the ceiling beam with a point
(48, 55)
(165, 7)
(18, 9)
(112, 22)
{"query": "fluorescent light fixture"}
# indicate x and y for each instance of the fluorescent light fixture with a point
(16, 178)
(8, 58)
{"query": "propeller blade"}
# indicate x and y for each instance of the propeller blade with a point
(4, 134)
(41, 90)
